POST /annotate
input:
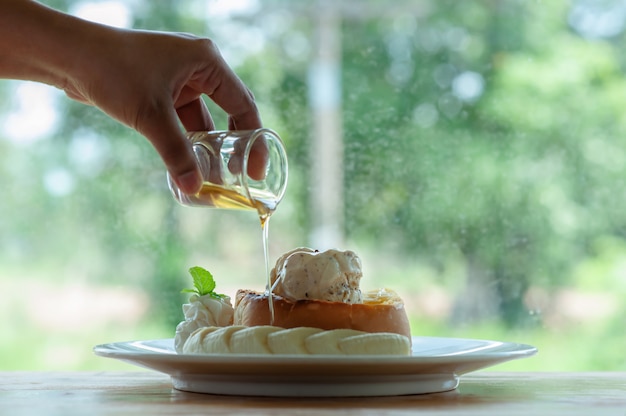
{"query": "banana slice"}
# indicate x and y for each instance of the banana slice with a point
(194, 343)
(252, 340)
(327, 342)
(214, 341)
(375, 343)
(290, 341)
(303, 341)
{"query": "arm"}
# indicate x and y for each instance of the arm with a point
(146, 80)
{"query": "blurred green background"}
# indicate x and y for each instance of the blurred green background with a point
(476, 162)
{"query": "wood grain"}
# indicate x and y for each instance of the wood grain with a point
(148, 393)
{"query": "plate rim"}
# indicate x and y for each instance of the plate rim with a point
(516, 350)
(316, 375)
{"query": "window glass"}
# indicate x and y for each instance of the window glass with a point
(473, 154)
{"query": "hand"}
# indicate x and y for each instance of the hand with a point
(150, 81)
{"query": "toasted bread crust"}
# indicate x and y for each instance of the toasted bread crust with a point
(252, 309)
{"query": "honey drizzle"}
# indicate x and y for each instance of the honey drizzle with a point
(265, 219)
(216, 196)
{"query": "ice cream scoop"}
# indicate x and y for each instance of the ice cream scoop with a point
(306, 274)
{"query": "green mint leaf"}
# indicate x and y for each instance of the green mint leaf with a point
(202, 280)
(203, 283)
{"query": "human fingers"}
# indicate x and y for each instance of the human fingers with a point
(160, 127)
(248, 119)
(258, 156)
(258, 159)
(217, 80)
(195, 116)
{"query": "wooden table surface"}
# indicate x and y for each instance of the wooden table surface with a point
(150, 393)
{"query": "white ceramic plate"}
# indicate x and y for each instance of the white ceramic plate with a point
(434, 366)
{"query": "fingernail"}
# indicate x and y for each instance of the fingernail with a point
(189, 182)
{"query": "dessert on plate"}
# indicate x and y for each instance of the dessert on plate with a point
(205, 308)
(315, 306)
(322, 290)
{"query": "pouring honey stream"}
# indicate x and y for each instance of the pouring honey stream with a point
(226, 187)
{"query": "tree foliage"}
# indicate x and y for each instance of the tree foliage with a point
(492, 131)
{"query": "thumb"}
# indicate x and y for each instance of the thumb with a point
(175, 151)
